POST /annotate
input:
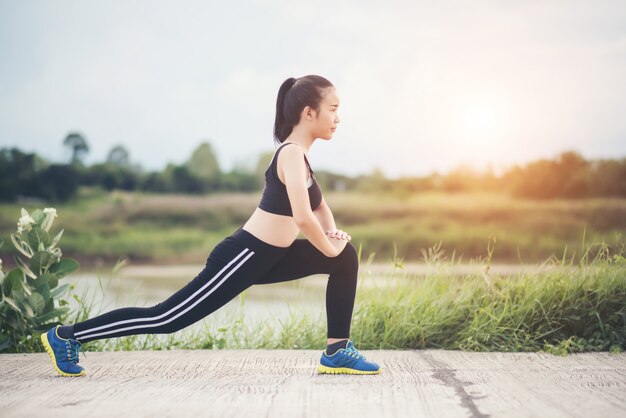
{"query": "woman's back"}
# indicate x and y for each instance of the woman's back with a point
(276, 229)
(275, 198)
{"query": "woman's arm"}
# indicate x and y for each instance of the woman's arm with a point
(325, 216)
(291, 160)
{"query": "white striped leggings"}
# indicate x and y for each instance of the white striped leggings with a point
(236, 263)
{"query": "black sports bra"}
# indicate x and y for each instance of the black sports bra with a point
(275, 198)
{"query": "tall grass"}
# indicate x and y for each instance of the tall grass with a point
(570, 308)
(157, 229)
(564, 310)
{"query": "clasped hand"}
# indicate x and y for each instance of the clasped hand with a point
(338, 234)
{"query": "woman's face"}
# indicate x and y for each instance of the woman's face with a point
(327, 117)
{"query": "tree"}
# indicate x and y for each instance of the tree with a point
(203, 162)
(18, 173)
(58, 182)
(119, 156)
(77, 144)
(186, 182)
(263, 163)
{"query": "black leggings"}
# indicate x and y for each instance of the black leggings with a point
(236, 263)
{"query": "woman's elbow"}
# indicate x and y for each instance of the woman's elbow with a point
(303, 219)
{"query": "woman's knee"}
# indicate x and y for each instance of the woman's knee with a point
(159, 311)
(348, 258)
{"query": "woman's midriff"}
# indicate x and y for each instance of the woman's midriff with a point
(277, 230)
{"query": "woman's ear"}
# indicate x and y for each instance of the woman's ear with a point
(308, 113)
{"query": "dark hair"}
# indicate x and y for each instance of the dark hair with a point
(293, 96)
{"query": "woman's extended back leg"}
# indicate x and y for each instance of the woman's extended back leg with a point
(230, 269)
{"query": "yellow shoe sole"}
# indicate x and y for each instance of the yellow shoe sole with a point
(344, 370)
(48, 347)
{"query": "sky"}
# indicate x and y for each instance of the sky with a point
(424, 86)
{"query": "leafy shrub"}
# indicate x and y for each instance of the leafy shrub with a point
(28, 292)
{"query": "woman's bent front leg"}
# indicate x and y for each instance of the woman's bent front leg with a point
(304, 259)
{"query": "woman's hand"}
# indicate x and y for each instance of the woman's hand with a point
(339, 239)
(338, 234)
(339, 245)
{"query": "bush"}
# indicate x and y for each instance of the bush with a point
(28, 292)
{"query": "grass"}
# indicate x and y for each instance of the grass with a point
(155, 228)
(574, 308)
(580, 306)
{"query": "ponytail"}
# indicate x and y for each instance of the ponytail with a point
(282, 129)
(293, 96)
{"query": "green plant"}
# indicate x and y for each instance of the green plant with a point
(28, 292)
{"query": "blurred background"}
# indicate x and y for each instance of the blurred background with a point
(148, 126)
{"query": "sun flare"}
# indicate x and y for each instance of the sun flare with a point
(480, 123)
(481, 120)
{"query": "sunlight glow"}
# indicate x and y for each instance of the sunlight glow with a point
(481, 120)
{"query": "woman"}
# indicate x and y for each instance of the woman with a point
(263, 250)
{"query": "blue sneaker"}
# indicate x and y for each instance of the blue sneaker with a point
(63, 352)
(347, 360)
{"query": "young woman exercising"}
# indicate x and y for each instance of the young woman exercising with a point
(263, 250)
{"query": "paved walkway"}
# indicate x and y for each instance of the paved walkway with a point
(284, 383)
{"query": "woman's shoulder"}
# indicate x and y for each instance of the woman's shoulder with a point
(295, 151)
(291, 158)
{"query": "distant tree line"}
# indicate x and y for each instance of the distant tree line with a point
(27, 175)
(569, 175)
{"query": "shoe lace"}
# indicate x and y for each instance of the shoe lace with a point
(73, 347)
(351, 351)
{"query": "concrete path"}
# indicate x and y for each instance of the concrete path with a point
(284, 383)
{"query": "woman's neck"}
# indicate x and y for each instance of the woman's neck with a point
(304, 139)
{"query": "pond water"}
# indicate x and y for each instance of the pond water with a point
(268, 303)
(147, 285)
